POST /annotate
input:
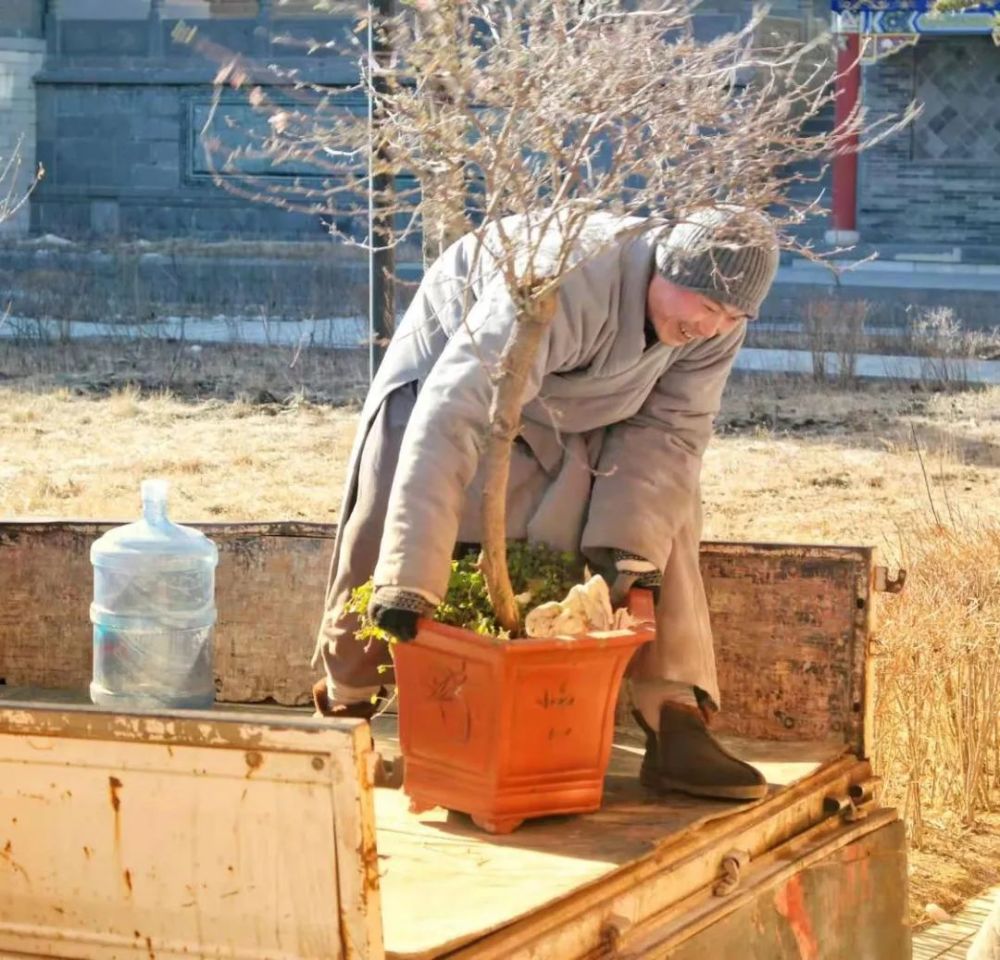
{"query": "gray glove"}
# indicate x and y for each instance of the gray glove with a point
(397, 610)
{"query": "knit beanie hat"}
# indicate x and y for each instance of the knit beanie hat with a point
(727, 253)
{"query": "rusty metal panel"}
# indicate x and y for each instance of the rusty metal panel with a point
(791, 623)
(851, 905)
(271, 582)
(791, 626)
(185, 836)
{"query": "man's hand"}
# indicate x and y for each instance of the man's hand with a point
(630, 571)
(396, 610)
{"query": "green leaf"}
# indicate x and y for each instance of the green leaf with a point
(538, 573)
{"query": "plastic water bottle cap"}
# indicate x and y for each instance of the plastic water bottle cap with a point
(154, 490)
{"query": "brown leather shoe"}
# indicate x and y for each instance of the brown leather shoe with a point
(364, 710)
(684, 756)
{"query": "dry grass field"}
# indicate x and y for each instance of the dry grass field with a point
(255, 434)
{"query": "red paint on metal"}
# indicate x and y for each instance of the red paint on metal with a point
(791, 905)
(845, 165)
(854, 853)
(857, 858)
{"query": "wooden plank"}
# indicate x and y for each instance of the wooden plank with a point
(136, 835)
(357, 849)
(791, 622)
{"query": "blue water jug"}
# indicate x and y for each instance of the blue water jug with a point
(153, 612)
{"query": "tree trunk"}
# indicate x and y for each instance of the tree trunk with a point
(505, 421)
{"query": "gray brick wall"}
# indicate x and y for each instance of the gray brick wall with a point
(21, 18)
(122, 160)
(907, 197)
(119, 109)
(119, 105)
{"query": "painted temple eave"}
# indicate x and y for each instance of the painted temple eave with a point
(867, 31)
(913, 17)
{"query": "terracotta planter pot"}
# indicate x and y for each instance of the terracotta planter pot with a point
(507, 730)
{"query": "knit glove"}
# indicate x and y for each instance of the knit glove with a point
(396, 610)
(631, 570)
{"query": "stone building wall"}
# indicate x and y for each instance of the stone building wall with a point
(21, 53)
(121, 106)
(20, 60)
(937, 183)
(121, 109)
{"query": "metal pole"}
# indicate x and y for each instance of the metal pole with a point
(381, 261)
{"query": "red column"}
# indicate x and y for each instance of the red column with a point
(845, 166)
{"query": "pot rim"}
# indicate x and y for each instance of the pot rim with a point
(641, 632)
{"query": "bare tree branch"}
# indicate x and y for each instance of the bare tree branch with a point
(14, 193)
(550, 111)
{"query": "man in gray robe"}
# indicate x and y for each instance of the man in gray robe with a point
(619, 408)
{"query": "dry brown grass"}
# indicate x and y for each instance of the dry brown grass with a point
(791, 463)
(796, 463)
(258, 433)
(96, 368)
(938, 707)
(939, 667)
(72, 456)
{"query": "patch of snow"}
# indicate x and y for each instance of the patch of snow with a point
(49, 240)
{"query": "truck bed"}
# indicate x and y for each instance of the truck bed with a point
(256, 832)
(489, 882)
(444, 883)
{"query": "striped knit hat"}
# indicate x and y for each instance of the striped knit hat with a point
(727, 253)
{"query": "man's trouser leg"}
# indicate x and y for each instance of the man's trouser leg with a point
(682, 657)
(356, 670)
(675, 689)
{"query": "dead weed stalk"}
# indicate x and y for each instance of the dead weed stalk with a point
(836, 334)
(938, 678)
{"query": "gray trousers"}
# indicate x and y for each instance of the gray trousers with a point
(356, 670)
(681, 658)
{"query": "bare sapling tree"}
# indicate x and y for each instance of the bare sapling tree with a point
(520, 121)
(14, 192)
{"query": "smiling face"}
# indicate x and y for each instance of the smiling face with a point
(680, 315)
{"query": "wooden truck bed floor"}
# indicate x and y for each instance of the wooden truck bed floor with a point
(444, 883)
